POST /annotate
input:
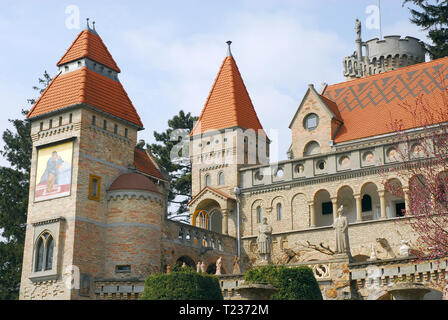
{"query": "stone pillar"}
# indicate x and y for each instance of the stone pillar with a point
(358, 199)
(334, 201)
(382, 194)
(225, 224)
(312, 214)
(406, 199)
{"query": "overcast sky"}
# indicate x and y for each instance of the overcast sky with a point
(170, 51)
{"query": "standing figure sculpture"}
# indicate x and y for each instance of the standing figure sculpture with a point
(264, 242)
(203, 270)
(341, 231)
(198, 267)
(218, 266)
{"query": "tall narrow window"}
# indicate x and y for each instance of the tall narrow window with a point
(258, 214)
(94, 187)
(279, 211)
(44, 253)
(51, 124)
(41, 126)
(116, 128)
(125, 132)
(221, 178)
(105, 124)
(93, 121)
(366, 203)
(70, 118)
(60, 121)
(207, 180)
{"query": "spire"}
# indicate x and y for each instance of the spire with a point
(228, 104)
(229, 52)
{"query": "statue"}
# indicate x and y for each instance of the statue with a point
(168, 269)
(405, 249)
(198, 267)
(358, 28)
(373, 255)
(341, 230)
(218, 266)
(264, 241)
(203, 267)
(236, 265)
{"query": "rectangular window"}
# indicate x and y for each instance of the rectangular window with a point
(93, 120)
(41, 126)
(123, 269)
(70, 118)
(105, 124)
(60, 121)
(51, 124)
(94, 187)
(327, 208)
(126, 132)
(116, 129)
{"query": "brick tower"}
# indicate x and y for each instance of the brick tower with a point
(96, 201)
(225, 139)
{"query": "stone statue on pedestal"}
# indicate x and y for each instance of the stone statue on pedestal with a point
(340, 226)
(203, 270)
(198, 267)
(264, 242)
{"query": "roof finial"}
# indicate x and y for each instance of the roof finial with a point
(229, 52)
(88, 27)
(93, 25)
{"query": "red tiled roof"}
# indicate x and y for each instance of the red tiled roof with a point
(368, 106)
(146, 165)
(91, 88)
(133, 181)
(89, 45)
(228, 104)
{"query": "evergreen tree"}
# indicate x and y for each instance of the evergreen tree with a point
(173, 155)
(14, 188)
(432, 16)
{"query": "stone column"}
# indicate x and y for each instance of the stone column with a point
(334, 201)
(312, 214)
(382, 194)
(358, 199)
(225, 224)
(406, 199)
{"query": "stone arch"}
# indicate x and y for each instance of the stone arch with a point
(215, 220)
(323, 208)
(300, 212)
(188, 261)
(370, 188)
(311, 148)
(395, 200)
(211, 268)
(347, 199)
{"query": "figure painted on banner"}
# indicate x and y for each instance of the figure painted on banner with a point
(57, 172)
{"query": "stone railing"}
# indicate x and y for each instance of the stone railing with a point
(199, 238)
(118, 290)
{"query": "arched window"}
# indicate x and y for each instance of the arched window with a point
(221, 180)
(279, 211)
(366, 203)
(312, 148)
(44, 253)
(258, 214)
(201, 220)
(207, 180)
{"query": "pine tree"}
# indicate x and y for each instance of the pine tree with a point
(432, 16)
(173, 155)
(14, 187)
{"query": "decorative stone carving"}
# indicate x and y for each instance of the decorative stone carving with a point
(373, 255)
(264, 241)
(405, 249)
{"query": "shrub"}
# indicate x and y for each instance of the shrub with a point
(183, 285)
(296, 283)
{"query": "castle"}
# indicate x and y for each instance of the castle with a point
(97, 218)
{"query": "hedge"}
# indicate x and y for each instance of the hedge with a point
(182, 285)
(296, 283)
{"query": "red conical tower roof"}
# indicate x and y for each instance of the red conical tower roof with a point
(85, 85)
(228, 104)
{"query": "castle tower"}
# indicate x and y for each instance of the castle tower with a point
(227, 137)
(382, 55)
(84, 132)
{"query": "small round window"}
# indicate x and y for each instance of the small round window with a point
(311, 121)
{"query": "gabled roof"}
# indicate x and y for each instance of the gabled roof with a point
(219, 193)
(228, 104)
(89, 45)
(369, 105)
(146, 165)
(84, 86)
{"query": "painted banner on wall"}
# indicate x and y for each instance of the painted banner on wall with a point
(54, 171)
